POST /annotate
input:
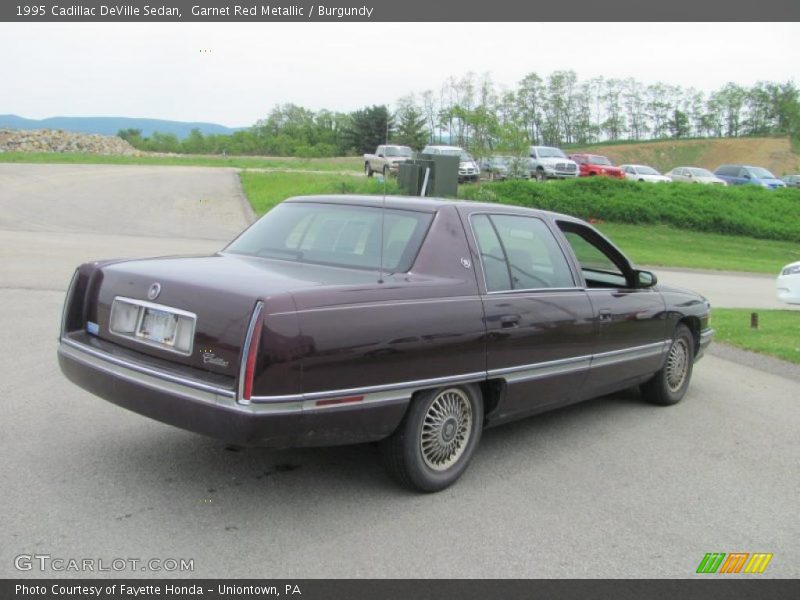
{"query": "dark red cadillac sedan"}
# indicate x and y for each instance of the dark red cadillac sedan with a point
(411, 321)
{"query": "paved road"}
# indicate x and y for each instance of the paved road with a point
(728, 289)
(609, 488)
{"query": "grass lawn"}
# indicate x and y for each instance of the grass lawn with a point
(241, 162)
(265, 190)
(646, 244)
(665, 246)
(778, 333)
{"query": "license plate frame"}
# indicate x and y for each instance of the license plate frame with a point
(167, 320)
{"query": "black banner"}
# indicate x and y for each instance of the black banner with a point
(38, 11)
(403, 589)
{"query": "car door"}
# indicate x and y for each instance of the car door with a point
(538, 320)
(630, 324)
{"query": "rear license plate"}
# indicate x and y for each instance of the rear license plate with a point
(158, 326)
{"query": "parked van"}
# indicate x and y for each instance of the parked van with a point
(748, 175)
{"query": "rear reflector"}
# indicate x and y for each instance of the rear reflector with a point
(252, 341)
(331, 401)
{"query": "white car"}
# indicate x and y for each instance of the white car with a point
(694, 175)
(468, 169)
(643, 173)
(788, 284)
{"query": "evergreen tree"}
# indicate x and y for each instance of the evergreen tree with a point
(411, 128)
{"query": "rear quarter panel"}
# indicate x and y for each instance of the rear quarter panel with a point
(421, 325)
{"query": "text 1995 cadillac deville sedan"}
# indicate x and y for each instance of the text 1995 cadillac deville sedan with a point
(416, 322)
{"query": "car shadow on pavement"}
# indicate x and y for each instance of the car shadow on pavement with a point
(183, 463)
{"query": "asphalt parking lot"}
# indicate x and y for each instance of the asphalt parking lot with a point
(608, 488)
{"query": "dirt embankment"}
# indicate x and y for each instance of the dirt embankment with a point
(774, 154)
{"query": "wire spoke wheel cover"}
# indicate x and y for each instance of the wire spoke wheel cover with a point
(446, 429)
(677, 364)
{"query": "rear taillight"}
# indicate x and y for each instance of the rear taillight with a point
(68, 298)
(251, 343)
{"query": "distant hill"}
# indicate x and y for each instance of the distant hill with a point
(111, 125)
(774, 154)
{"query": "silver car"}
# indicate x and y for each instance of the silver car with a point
(694, 175)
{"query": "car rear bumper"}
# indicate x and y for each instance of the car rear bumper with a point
(213, 411)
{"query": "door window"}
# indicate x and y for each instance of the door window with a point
(601, 265)
(520, 253)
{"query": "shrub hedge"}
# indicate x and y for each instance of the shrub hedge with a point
(742, 210)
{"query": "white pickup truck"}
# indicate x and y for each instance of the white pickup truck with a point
(386, 160)
(551, 163)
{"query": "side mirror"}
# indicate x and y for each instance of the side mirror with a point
(380, 154)
(746, 175)
(646, 279)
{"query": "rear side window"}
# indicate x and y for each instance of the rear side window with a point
(519, 253)
(335, 234)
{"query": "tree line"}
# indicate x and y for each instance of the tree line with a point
(474, 112)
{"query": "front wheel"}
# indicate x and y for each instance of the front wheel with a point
(669, 385)
(435, 442)
(540, 176)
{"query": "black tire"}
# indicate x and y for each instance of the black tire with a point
(445, 459)
(368, 170)
(669, 385)
(540, 176)
(385, 171)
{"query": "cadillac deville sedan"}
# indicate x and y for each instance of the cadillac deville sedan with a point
(412, 322)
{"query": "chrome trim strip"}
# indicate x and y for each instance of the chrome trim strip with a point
(544, 369)
(363, 391)
(153, 380)
(373, 395)
(160, 307)
(246, 351)
(614, 357)
(104, 356)
(153, 305)
(559, 291)
(382, 304)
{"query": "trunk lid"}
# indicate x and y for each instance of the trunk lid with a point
(221, 290)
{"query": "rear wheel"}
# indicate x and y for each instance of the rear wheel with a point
(669, 385)
(367, 170)
(434, 444)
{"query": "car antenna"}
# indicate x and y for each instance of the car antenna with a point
(383, 202)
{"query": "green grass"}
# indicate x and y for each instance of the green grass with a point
(240, 162)
(742, 210)
(669, 247)
(658, 245)
(778, 333)
(265, 190)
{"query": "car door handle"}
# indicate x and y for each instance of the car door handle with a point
(509, 321)
(604, 315)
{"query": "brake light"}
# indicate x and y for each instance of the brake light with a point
(252, 342)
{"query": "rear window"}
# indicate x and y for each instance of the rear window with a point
(337, 235)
